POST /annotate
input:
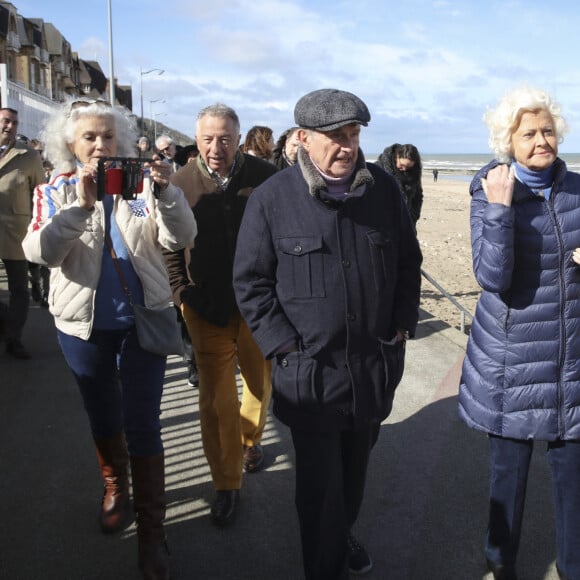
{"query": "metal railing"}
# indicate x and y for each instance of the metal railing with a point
(462, 310)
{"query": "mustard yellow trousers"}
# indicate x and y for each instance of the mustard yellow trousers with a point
(226, 423)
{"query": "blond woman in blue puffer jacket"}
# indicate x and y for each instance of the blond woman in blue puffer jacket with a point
(521, 375)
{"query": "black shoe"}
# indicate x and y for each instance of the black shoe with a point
(359, 561)
(35, 292)
(225, 506)
(253, 458)
(192, 375)
(502, 572)
(16, 349)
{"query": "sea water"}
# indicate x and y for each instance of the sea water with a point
(462, 166)
(471, 163)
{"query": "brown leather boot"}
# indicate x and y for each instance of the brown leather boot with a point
(148, 475)
(114, 462)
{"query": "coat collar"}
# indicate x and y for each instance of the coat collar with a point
(317, 184)
(14, 151)
(239, 160)
(521, 191)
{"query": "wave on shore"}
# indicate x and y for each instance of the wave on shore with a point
(465, 164)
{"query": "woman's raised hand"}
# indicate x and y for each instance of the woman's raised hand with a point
(499, 185)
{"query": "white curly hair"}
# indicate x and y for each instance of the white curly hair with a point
(504, 120)
(58, 131)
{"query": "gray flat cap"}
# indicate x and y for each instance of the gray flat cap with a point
(329, 109)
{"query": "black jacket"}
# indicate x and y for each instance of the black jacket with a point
(202, 276)
(409, 181)
(337, 279)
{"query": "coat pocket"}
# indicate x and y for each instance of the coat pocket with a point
(394, 360)
(383, 264)
(294, 380)
(300, 266)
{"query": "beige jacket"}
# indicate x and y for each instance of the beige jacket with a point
(69, 240)
(20, 172)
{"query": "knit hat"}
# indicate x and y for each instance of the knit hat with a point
(329, 109)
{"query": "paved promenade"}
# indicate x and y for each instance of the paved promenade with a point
(423, 518)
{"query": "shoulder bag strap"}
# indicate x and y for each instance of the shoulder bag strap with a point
(118, 268)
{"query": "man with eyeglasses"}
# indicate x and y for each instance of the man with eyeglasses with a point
(20, 172)
(167, 147)
(217, 186)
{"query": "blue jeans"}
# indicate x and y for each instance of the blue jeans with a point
(510, 462)
(121, 385)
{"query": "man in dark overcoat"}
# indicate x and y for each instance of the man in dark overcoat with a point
(327, 276)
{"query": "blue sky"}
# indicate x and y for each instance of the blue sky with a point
(426, 69)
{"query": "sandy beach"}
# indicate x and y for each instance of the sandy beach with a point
(443, 232)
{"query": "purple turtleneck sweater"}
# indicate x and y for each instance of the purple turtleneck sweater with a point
(338, 187)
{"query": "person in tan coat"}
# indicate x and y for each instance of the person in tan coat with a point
(217, 186)
(20, 172)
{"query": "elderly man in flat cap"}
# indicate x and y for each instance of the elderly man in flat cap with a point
(327, 276)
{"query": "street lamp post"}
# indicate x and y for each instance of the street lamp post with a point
(111, 72)
(143, 73)
(151, 109)
(155, 123)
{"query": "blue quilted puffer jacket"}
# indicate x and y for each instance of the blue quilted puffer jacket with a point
(521, 374)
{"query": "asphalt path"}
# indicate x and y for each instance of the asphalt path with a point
(423, 517)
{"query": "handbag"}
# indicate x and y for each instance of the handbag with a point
(158, 331)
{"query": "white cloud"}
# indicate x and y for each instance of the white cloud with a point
(426, 68)
(94, 49)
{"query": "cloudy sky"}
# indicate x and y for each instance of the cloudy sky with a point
(427, 69)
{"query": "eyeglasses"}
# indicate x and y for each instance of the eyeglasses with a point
(88, 102)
